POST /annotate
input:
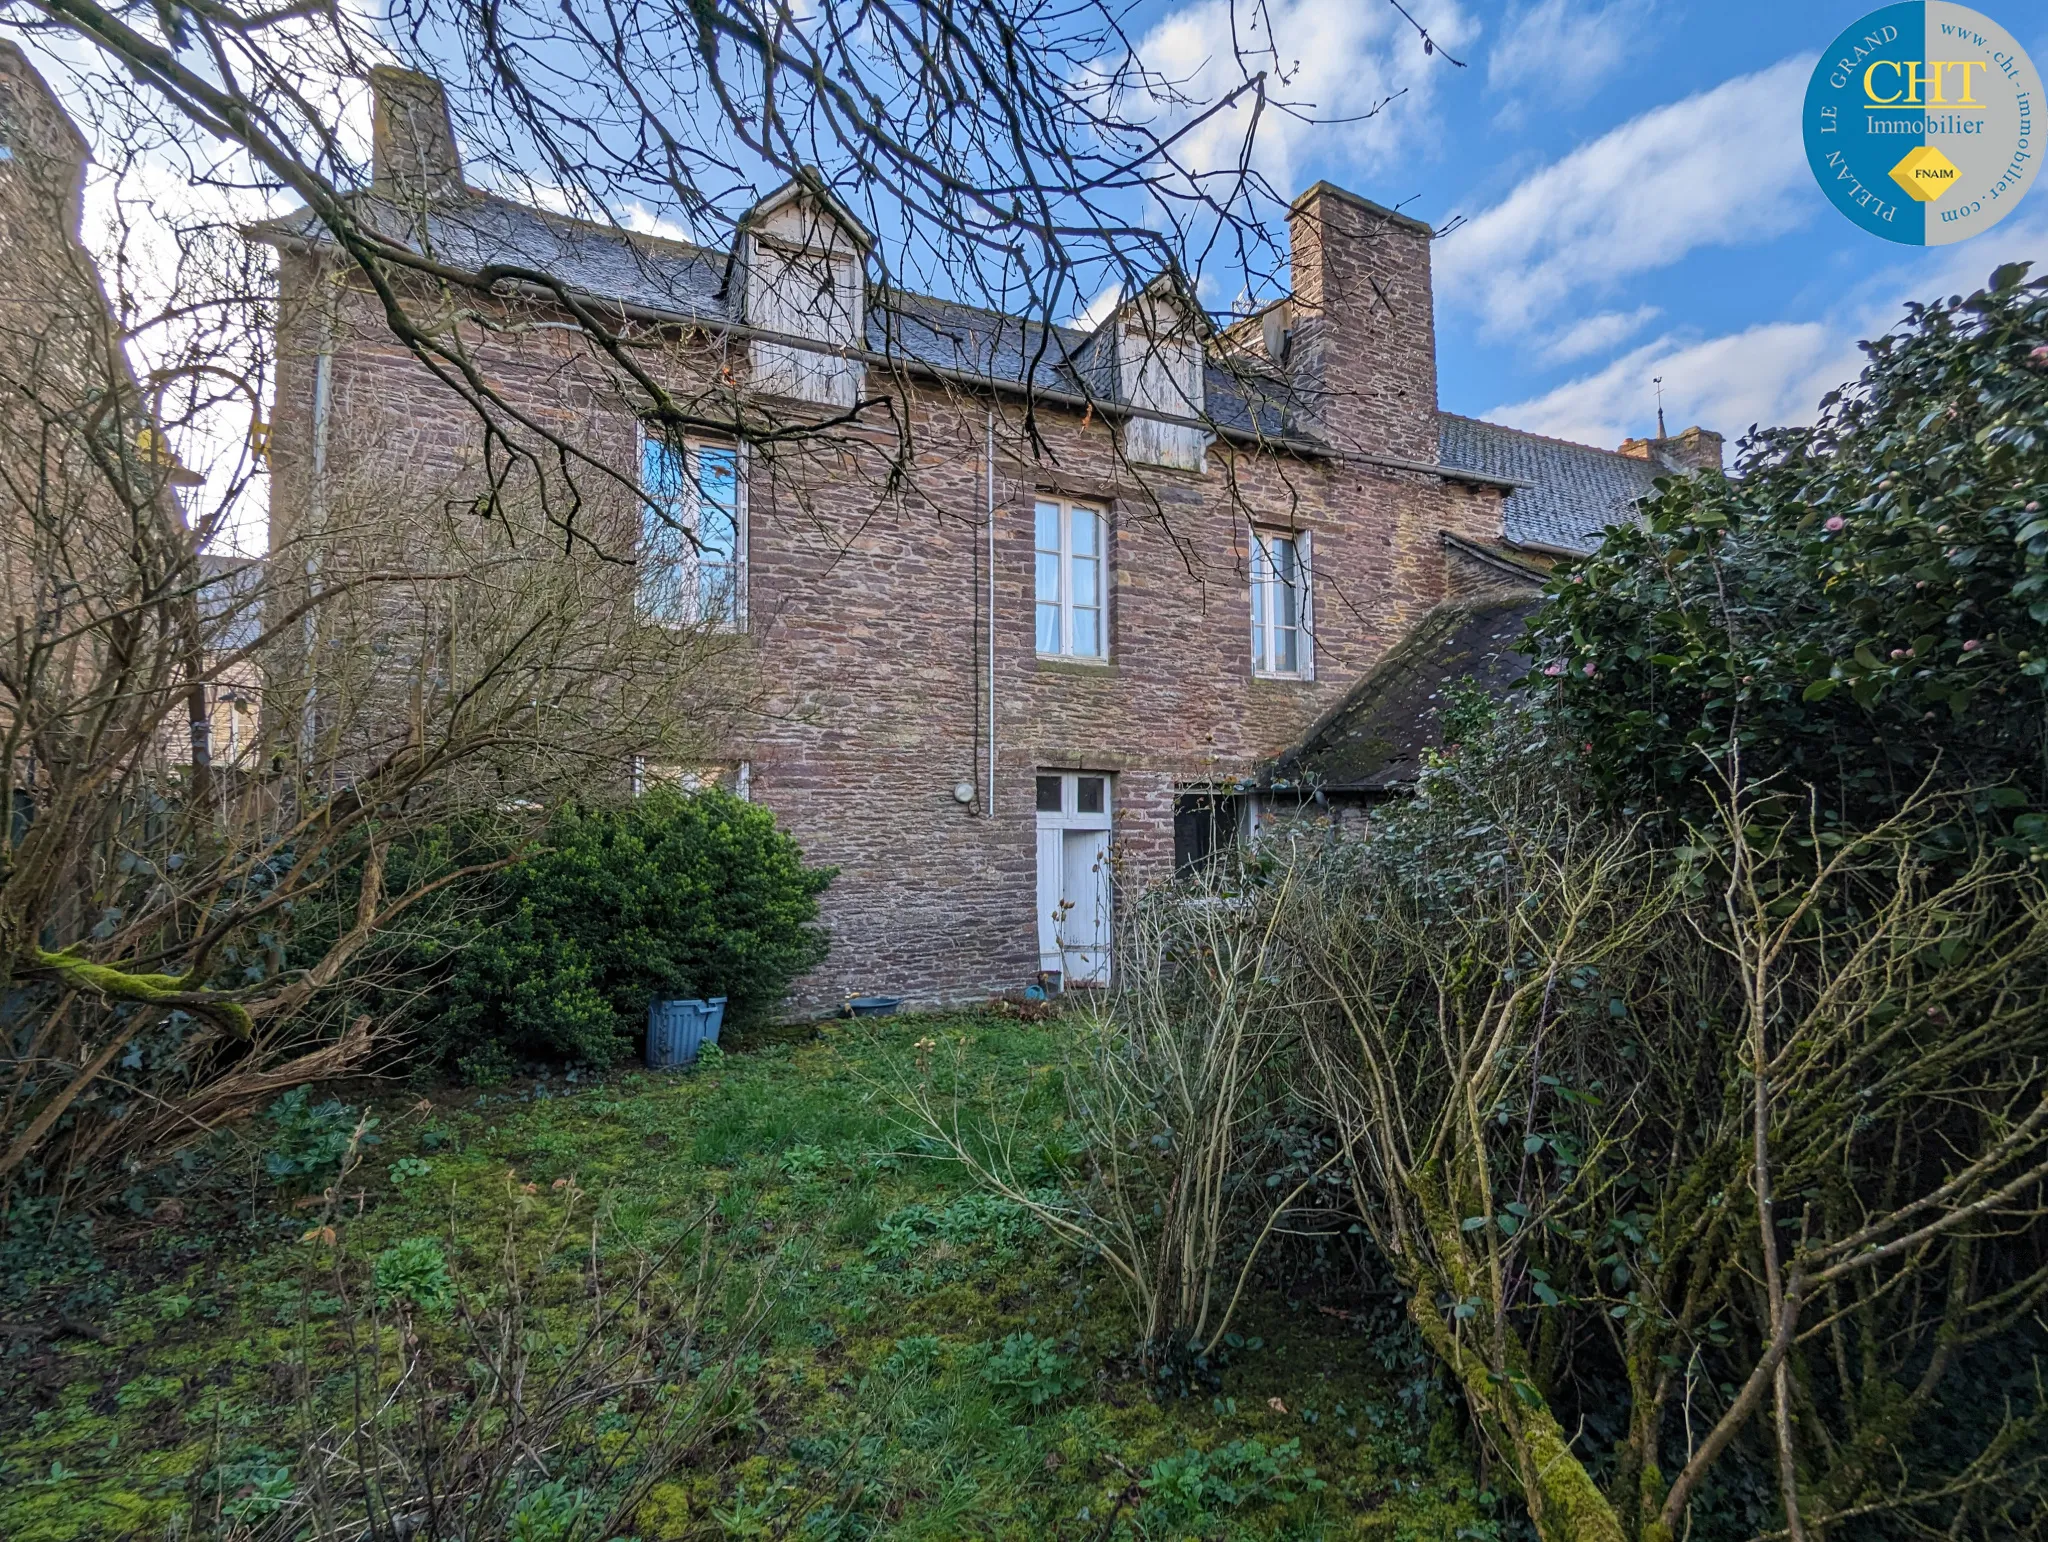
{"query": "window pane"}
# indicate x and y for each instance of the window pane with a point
(1286, 599)
(1261, 582)
(664, 548)
(1284, 660)
(1048, 629)
(1085, 570)
(718, 506)
(1048, 795)
(1049, 577)
(1088, 794)
(1087, 527)
(1087, 633)
(1049, 527)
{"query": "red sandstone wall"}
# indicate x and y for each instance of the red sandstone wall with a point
(865, 610)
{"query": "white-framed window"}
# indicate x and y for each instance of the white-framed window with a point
(693, 533)
(1283, 632)
(1073, 579)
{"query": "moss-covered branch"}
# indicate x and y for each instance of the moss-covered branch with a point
(158, 990)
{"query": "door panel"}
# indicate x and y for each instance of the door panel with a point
(1084, 929)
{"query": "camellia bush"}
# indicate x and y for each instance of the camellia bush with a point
(1863, 607)
(673, 894)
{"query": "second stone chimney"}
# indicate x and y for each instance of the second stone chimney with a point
(1363, 326)
(413, 158)
(1691, 449)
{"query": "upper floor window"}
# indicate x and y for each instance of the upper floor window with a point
(1070, 581)
(1282, 630)
(693, 531)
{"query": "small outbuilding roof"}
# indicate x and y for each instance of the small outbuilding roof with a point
(1575, 491)
(1373, 740)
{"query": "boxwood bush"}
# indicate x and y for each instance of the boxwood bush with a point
(673, 894)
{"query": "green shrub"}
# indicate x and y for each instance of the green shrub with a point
(1030, 1369)
(553, 1512)
(670, 895)
(1866, 604)
(1197, 1487)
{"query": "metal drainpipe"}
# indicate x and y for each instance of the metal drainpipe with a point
(316, 522)
(988, 802)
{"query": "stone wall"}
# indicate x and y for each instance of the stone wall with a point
(867, 630)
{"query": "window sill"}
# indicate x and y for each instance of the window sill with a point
(1067, 664)
(1276, 679)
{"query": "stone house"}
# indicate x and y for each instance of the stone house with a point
(1074, 641)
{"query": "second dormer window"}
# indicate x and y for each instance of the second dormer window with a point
(1070, 581)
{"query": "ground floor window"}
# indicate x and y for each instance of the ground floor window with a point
(1206, 825)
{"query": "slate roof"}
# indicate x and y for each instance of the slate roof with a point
(230, 604)
(683, 280)
(1575, 491)
(599, 260)
(1374, 739)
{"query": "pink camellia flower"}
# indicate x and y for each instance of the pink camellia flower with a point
(1589, 669)
(1553, 670)
(1835, 522)
(1972, 645)
(1898, 653)
(2040, 355)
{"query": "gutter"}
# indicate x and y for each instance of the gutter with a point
(725, 330)
(1546, 549)
(1494, 560)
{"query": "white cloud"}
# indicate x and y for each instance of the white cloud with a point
(1329, 60)
(1721, 168)
(1596, 333)
(1562, 49)
(1764, 374)
(1773, 373)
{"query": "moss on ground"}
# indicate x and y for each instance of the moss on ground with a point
(882, 1389)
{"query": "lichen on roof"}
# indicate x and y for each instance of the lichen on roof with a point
(1373, 740)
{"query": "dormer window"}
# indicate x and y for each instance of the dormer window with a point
(806, 278)
(1149, 355)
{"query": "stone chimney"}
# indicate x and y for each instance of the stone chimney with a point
(413, 158)
(42, 155)
(1362, 347)
(1691, 449)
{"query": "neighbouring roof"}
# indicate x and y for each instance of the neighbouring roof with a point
(230, 601)
(677, 279)
(1575, 491)
(1373, 740)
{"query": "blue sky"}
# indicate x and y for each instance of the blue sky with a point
(1636, 195)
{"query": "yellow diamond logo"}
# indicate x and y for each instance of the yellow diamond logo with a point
(1925, 173)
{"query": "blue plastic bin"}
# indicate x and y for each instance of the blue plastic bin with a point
(677, 1028)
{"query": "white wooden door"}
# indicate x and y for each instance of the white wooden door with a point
(1073, 876)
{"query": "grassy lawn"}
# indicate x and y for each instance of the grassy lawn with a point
(874, 1351)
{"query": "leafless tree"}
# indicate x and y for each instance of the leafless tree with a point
(209, 761)
(1759, 1125)
(1014, 154)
